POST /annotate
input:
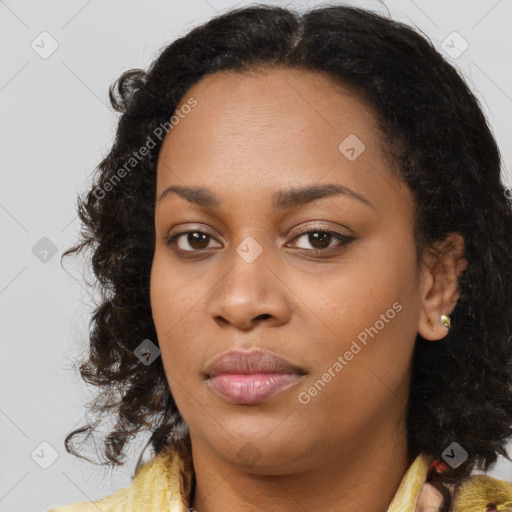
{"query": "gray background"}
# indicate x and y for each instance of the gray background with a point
(55, 128)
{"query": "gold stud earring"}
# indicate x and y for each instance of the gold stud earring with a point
(445, 320)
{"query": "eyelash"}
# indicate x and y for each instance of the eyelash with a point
(343, 240)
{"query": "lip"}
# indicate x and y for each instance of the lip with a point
(250, 377)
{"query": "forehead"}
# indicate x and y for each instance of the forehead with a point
(272, 128)
(270, 112)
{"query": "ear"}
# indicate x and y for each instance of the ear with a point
(441, 267)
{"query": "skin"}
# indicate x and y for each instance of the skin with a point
(249, 136)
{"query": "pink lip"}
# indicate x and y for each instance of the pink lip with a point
(252, 388)
(244, 377)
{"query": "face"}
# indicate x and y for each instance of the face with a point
(325, 277)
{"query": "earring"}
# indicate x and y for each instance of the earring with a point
(445, 320)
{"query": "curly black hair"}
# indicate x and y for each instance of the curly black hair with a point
(438, 142)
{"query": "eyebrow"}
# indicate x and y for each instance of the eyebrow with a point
(281, 200)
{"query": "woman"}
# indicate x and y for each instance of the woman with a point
(304, 245)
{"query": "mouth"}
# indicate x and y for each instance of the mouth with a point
(251, 377)
(246, 389)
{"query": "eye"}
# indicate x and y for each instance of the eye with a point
(196, 240)
(323, 240)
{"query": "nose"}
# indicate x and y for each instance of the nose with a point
(250, 293)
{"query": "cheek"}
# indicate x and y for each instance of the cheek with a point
(361, 372)
(369, 319)
(174, 302)
(174, 308)
(366, 294)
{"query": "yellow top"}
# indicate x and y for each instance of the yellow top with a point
(163, 485)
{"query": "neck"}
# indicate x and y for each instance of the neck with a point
(364, 476)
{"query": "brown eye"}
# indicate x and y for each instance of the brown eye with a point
(197, 240)
(190, 241)
(321, 240)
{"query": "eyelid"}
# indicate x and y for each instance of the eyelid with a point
(192, 229)
(299, 231)
(323, 228)
(169, 239)
(342, 240)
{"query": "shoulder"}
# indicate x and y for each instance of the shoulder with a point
(481, 493)
(165, 480)
(113, 503)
